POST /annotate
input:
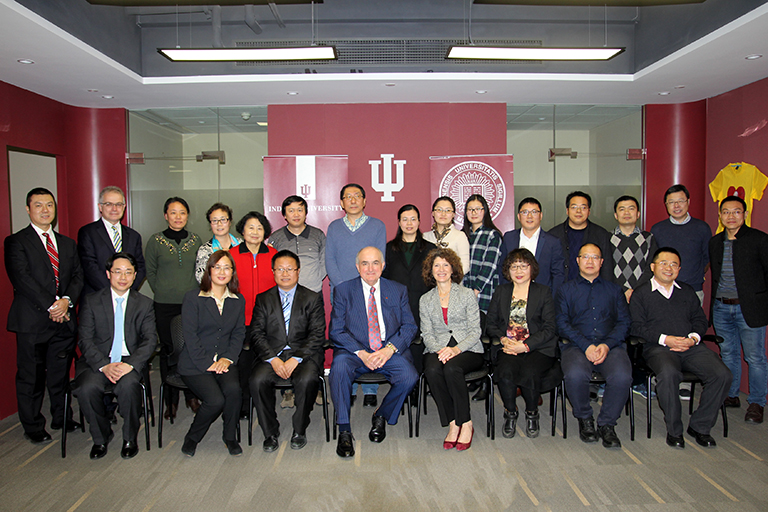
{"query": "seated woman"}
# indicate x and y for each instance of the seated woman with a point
(522, 315)
(213, 321)
(450, 328)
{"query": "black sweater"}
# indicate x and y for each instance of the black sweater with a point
(653, 314)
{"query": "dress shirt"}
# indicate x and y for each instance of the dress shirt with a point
(667, 294)
(42, 238)
(529, 243)
(686, 220)
(360, 221)
(291, 295)
(591, 313)
(123, 306)
(220, 306)
(377, 295)
(108, 225)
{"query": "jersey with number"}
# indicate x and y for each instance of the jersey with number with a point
(739, 179)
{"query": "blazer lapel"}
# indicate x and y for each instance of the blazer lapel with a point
(277, 304)
(102, 234)
(213, 309)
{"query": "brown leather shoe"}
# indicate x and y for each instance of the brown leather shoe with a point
(754, 414)
(732, 401)
(194, 404)
(170, 411)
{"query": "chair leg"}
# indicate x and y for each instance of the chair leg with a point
(410, 416)
(564, 410)
(725, 421)
(160, 417)
(648, 389)
(148, 384)
(250, 421)
(553, 408)
(146, 415)
(492, 408)
(690, 401)
(335, 425)
(418, 402)
(631, 403)
(67, 399)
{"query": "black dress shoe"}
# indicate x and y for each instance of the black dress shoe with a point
(675, 442)
(705, 440)
(71, 426)
(194, 404)
(510, 422)
(352, 400)
(370, 401)
(378, 429)
(608, 434)
(130, 449)
(532, 424)
(271, 444)
(234, 448)
(345, 447)
(298, 441)
(100, 450)
(482, 393)
(732, 401)
(587, 432)
(189, 447)
(39, 437)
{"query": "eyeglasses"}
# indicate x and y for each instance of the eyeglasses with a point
(222, 268)
(112, 205)
(281, 270)
(578, 207)
(520, 266)
(525, 213)
(349, 197)
(475, 210)
(670, 264)
(219, 221)
(593, 257)
(734, 213)
(121, 273)
(442, 210)
(679, 202)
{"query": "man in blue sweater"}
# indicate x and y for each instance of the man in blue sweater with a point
(345, 238)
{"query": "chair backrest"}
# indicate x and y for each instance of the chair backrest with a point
(177, 337)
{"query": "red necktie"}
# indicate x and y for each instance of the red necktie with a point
(54, 256)
(374, 334)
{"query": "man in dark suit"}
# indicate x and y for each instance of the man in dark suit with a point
(371, 327)
(117, 337)
(47, 279)
(287, 332)
(546, 248)
(99, 240)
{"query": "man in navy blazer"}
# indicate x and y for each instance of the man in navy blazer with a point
(99, 240)
(371, 327)
(546, 248)
(114, 354)
(42, 314)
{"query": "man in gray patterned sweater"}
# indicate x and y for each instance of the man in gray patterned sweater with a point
(632, 248)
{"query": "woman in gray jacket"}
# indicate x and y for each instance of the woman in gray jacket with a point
(450, 328)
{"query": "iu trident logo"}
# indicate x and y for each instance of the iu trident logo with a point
(386, 185)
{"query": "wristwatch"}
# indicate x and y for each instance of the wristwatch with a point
(394, 348)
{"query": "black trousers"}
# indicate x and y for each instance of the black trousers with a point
(245, 363)
(43, 359)
(91, 387)
(524, 370)
(448, 386)
(164, 313)
(306, 381)
(219, 393)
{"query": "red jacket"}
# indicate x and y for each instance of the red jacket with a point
(255, 275)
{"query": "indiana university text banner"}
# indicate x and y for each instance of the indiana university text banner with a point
(491, 176)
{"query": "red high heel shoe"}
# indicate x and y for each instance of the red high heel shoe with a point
(465, 446)
(447, 445)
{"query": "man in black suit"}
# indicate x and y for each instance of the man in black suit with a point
(287, 332)
(47, 279)
(99, 240)
(117, 337)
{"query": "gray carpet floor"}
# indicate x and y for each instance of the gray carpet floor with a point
(402, 473)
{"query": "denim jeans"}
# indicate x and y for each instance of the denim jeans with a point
(737, 335)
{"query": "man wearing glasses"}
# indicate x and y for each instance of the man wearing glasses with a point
(578, 230)
(739, 311)
(689, 236)
(546, 248)
(287, 333)
(99, 240)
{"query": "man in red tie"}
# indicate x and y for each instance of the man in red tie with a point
(45, 272)
(371, 328)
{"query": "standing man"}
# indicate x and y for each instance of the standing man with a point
(669, 318)
(117, 337)
(546, 248)
(632, 248)
(372, 328)
(287, 333)
(99, 240)
(577, 230)
(739, 308)
(47, 279)
(346, 237)
(593, 320)
(689, 236)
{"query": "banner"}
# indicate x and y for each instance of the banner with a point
(317, 179)
(491, 176)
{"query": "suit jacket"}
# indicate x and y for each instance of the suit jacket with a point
(306, 330)
(349, 317)
(34, 284)
(208, 333)
(397, 269)
(549, 256)
(539, 313)
(97, 319)
(593, 234)
(750, 266)
(463, 320)
(95, 247)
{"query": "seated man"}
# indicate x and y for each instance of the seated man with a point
(371, 327)
(117, 338)
(593, 320)
(287, 332)
(667, 314)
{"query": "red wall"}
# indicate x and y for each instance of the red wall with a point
(90, 147)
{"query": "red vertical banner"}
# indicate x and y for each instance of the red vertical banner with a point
(317, 179)
(491, 176)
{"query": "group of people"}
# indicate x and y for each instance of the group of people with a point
(557, 306)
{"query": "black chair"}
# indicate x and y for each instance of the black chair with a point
(687, 377)
(287, 384)
(173, 379)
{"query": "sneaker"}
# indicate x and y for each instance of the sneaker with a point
(288, 398)
(685, 394)
(642, 390)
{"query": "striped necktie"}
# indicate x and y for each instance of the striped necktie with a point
(286, 299)
(117, 240)
(54, 257)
